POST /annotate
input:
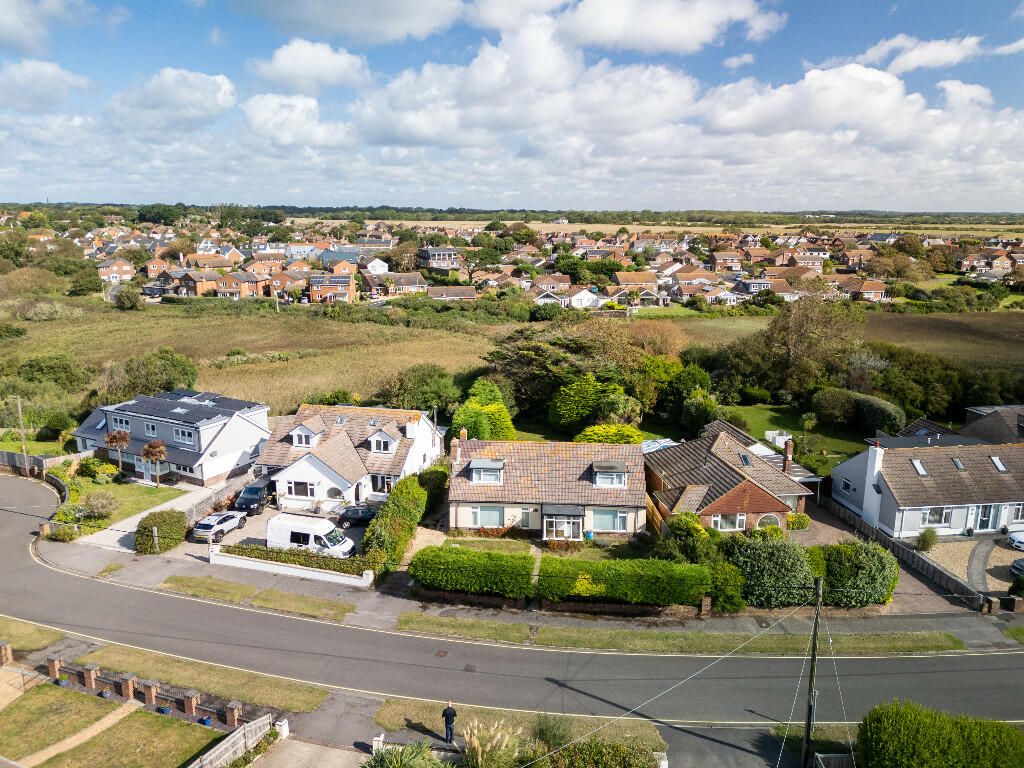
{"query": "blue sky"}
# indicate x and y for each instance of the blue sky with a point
(760, 104)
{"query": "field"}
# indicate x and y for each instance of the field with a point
(980, 338)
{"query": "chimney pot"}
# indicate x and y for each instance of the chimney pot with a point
(463, 434)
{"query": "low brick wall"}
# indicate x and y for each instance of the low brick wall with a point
(907, 555)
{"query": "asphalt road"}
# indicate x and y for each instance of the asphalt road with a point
(733, 690)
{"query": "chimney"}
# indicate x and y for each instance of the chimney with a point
(410, 428)
(787, 457)
(463, 434)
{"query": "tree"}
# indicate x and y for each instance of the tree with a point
(128, 299)
(118, 439)
(683, 381)
(471, 417)
(476, 261)
(178, 248)
(85, 283)
(36, 220)
(495, 226)
(148, 374)
(576, 403)
(610, 433)
(155, 451)
(699, 409)
(808, 421)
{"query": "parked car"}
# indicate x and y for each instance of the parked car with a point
(358, 516)
(314, 534)
(255, 497)
(214, 527)
(1017, 540)
(1017, 567)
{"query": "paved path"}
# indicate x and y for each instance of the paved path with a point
(292, 753)
(82, 736)
(14, 682)
(977, 578)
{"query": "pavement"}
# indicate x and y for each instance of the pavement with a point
(977, 579)
(698, 702)
(292, 753)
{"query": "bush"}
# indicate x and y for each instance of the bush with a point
(389, 532)
(906, 735)
(727, 588)
(833, 406)
(752, 395)
(798, 521)
(645, 582)
(610, 433)
(769, 533)
(873, 414)
(927, 539)
(500, 422)
(8, 331)
(471, 417)
(553, 732)
(89, 466)
(478, 572)
(434, 480)
(128, 298)
(99, 505)
(170, 527)
(775, 572)
(855, 574)
(1017, 588)
(576, 404)
(597, 752)
(63, 533)
(352, 565)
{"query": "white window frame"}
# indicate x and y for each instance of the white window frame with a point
(150, 429)
(1015, 512)
(741, 521)
(847, 485)
(610, 479)
(302, 439)
(480, 476)
(477, 511)
(184, 436)
(381, 446)
(621, 524)
(556, 523)
(120, 422)
(310, 487)
(382, 483)
(947, 517)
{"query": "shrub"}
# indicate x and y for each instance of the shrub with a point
(353, 565)
(471, 417)
(751, 395)
(775, 572)
(858, 574)
(727, 588)
(906, 735)
(873, 414)
(63, 533)
(500, 421)
(58, 422)
(235, 352)
(927, 539)
(67, 513)
(480, 572)
(646, 582)
(768, 533)
(128, 299)
(1017, 588)
(610, 433)
(833, 406)
(553, 732)
(575, 404)
(798, 521)
(99, 505)
(816, 561)
(89, 466)
(490, 746)
(8, 331)
(434, 479)
(597, 752)
(170, 527)
(405, 756)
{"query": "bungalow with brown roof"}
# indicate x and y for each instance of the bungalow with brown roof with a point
(637, 281)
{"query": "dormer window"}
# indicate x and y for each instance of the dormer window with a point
(609, 475)
(302, 438)
(381, 446)
(486, 471)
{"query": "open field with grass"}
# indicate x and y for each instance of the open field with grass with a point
(509, 546)
(245, 594)
(141, 740)
(44, 715)
(425, 718)
(228, 683)
(34, 447)
(27, 637)
(509, 632)
(982, 338)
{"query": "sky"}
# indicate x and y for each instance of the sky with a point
(579, 104)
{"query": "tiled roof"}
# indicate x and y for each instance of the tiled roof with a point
(547, 473)
(979, 482)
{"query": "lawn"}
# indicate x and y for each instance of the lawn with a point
(35, 447)
(1015, 633)
(244, 594)
(132, 498)
(425, 718)
(509, 632)
(509, 546)
(44, 715)
(219, 681)
(840, 443)
(27, 637)
(141, 740)
(714, 642)
(825, 739)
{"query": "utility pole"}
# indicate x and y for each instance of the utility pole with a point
(805, 752)
(21, 431)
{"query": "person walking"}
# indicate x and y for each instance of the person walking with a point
(448, 714)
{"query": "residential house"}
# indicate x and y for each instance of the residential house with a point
(726, 261)
(156, 265)
(198, 283)
(854, 287)
(954, 489)
(116, 271)
(854, 259)
(327, 456)
(549, 296)
(729, 485)
(331, 288)
(209, 437)
(240, 285)
(439, 257)
(280, 283)
(806, 260)
(554, 282)
(451, 292)
(637, 281)
(374, 266)
(559, 490)
(995, 423)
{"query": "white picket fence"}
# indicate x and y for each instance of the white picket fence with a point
(235, 744)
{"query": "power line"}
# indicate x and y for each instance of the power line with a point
(796, 695)
(839, 687)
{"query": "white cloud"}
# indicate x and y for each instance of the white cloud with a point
(906, 53)
(675, 26)
(1018, 12)
(1010, 48)
(215, 36)
(173, 100)
(293, 120)
(501, 14)
(25, 24)
(117, 16)
(735, 62)
(360, 21)
(31, 85)
(960, 95)
(307, 67)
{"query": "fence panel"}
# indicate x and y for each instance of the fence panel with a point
(235, 744)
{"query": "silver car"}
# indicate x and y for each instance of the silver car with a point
(213, 527)
(1017, 540)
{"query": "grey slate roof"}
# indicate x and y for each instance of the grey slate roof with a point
(1001, 424)
(980, 482)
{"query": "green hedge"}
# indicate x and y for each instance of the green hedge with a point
(597, 752)
(394, 525)
(855, 574)
(645, 582)
(798, 521)
(906, 735)
(354, 565)
(479, 572)
(170, 527)
(776, 573)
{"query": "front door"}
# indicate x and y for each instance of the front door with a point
(988, 519)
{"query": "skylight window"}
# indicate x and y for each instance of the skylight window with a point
(958, 464)
(374, 421)
(744, 460)
(340, 419)
(998, 463)
(179, 410)
(919, 467)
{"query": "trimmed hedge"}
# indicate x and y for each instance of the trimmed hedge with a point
(798, 521)
(906, 735)
(353, 565)
(171, 528)
(478, 572)
(394, 525)
(776, 573)
(843, 406)
(597, 752)
(645, 582)
(855, 574)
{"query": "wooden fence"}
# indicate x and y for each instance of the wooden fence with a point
(234, 745)
(37, 464)
(907, 555)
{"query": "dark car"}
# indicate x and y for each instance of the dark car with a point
(255, 497)
(357, 516)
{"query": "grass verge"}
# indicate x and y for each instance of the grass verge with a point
(825, 739)
(27, 637)
(708, 642)
(509, 632)
(44, 715)
(228, 683)
(425, 718)
(1015, 633)
(109, 569)
(141, 740)
(245, 594)
(511, 546)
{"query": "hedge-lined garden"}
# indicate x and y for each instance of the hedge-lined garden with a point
(352, 565)
(170, 527)
(394, 525)
(473, 571)
(642, 582)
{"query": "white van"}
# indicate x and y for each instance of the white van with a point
(314, 534)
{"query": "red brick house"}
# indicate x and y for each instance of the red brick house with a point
(156, 265)
(198, 282)
(116, 270)
(240, 285)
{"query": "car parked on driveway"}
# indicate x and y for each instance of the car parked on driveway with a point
(1017, 540)
(1017, 567)
(356, 516)
(255, 497)
(214, 527)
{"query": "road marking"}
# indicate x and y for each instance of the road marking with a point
(493, 644)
